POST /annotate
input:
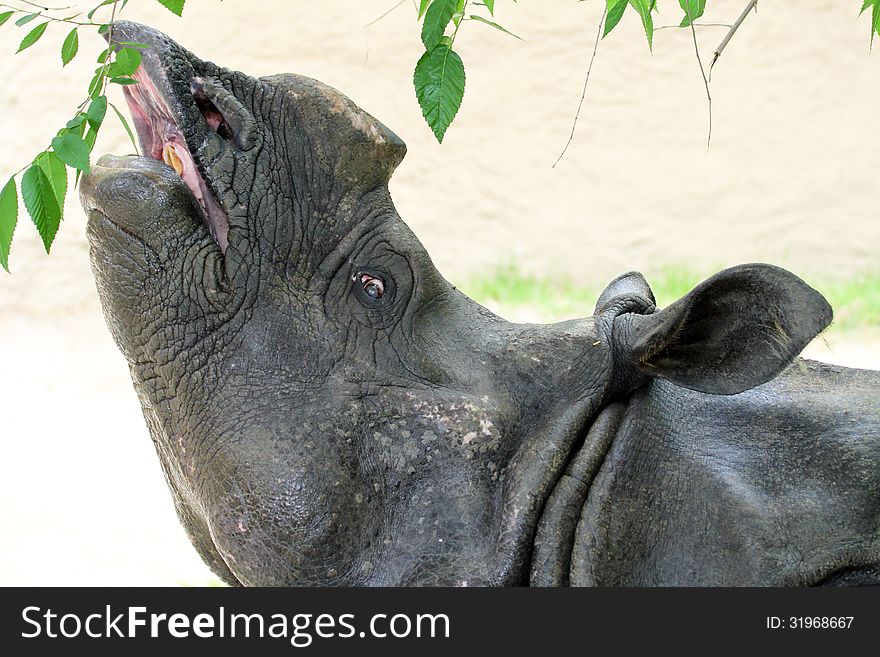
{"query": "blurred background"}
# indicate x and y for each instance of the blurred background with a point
(791, 178)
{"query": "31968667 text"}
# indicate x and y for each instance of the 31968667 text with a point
(809, 622)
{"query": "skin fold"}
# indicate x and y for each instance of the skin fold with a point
(329, 410)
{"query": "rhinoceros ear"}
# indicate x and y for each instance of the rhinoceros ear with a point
(628, 293)
(734, 331)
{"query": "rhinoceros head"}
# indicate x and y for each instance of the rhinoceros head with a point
(327, 408)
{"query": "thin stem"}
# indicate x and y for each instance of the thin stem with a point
(370, 24)
(705, 83)
(753, 4)
(109, 47)
(52, 19)
(458, 24)
(44, 7)
(584, 92)
(678, 27)
(376, 20)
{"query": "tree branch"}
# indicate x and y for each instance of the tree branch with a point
(678, 27)
(584, 93)
(753, 4)
(705, 83)
(376, 20)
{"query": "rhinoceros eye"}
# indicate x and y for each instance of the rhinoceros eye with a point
(372, 286)
(374, 297)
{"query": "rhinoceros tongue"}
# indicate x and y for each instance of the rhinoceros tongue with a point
(161, 139)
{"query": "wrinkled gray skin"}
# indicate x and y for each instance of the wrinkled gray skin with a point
(314, 435)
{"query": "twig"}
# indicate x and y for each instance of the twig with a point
(705, 83)
(367, 30)
(753, 4)
(376, 20)
(110, 46)
(584, 92)
(44, 7)
(49, 17)
(670, 27)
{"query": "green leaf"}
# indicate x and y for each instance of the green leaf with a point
(32, 37)
(174, 6)
(126, 63)
(76, 121)
(423, 7)
(458, 15)
(875, 18)
(439, 82)
(693, 9)
(72, 150)
(474, 17)
(614, 12)
(103, 4)
(5, 16)
(90, 139)
(8, 219)
(123, 80)
(95, 85)
(436, 19)
(26, 18)
(39, 199)
(643, 7)
(56, 173)
(490, 5)
(70, 47)
(96, 112)
(125, 125)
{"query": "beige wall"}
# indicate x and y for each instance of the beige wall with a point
(791, 176)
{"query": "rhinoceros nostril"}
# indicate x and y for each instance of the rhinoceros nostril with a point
(213, 116)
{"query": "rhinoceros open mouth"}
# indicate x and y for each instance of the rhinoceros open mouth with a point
(161, 138)
(173, 115)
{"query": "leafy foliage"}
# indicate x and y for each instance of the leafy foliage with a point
(56, 173)
(174, 6)
(438, 79)
(439, 76)
(874, 5)
(32, 37)
(70, 47)
(438, 16)
(41, 203)
(693, 9)
(71, 149)
(44, 181)
(8, 219)
(614, 12)
(643, 8)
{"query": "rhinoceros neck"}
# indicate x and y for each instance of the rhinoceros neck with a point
(551, 559)
(545, 487)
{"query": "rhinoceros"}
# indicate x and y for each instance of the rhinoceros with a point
(329, 410)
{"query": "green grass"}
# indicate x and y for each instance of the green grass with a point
(856, 301)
